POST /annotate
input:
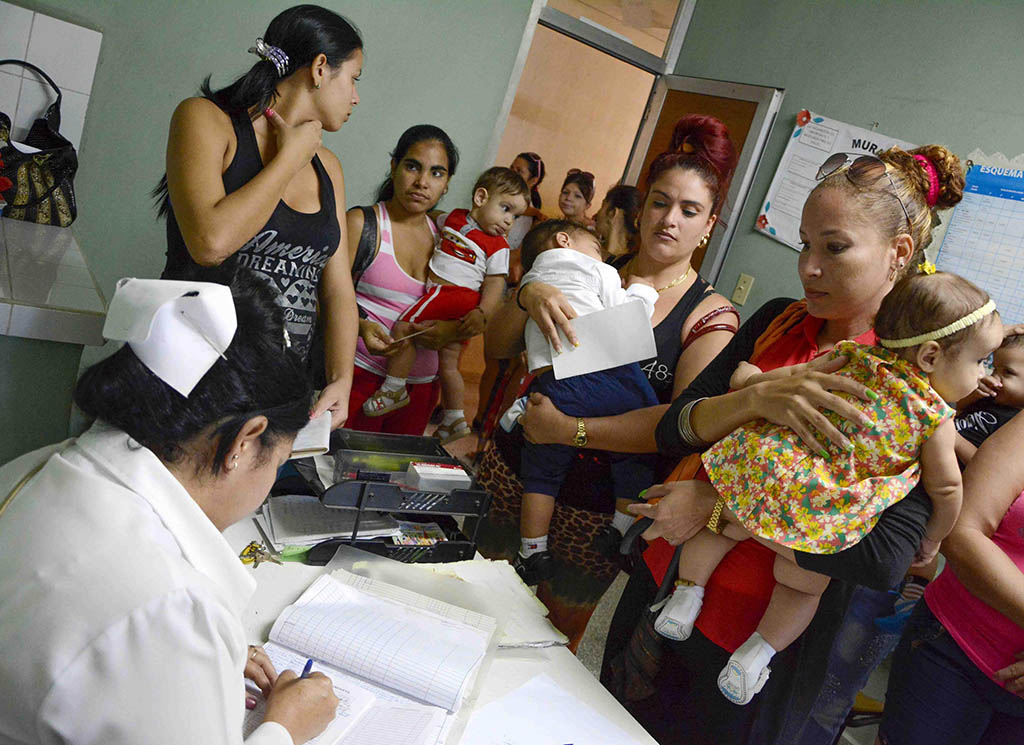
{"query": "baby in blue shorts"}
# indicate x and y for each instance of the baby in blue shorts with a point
(568, 256)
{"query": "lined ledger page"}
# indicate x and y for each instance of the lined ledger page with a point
(419, 654)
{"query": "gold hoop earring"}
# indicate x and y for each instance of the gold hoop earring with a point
(704, 241)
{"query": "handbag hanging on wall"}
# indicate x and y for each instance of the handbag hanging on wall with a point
(42, 183)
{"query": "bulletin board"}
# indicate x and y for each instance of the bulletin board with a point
(985, 238)
(814, 138)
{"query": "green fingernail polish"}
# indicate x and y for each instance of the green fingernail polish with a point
(643, 494)
(872, 395)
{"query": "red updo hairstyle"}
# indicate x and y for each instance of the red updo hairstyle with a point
(699, 143)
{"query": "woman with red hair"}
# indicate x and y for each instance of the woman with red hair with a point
(685, 188)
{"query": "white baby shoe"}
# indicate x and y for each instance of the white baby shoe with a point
(680, 612)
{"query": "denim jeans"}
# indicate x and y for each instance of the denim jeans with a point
(858, 649)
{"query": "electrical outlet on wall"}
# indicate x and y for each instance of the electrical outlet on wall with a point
(743, 285)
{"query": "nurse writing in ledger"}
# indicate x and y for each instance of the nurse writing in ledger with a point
(120, 600)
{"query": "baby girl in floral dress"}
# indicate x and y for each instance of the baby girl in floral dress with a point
(935, 331)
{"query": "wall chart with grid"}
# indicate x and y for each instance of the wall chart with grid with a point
(985, 239)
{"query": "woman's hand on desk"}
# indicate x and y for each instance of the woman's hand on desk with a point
(260, 670)
(684, 509)
(303, 706)
(543, 424)
(797, 400)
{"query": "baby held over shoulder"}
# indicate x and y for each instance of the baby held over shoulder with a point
(567, 256)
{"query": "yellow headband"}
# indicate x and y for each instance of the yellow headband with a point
(969, 320)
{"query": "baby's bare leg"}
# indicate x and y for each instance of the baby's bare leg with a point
(700, 555)
(452, 385)
(793, 604)
(400, 363)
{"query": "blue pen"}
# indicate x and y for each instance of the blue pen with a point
(307, 668)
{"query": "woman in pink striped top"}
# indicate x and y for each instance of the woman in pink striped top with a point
(423, 162)
(958, 674)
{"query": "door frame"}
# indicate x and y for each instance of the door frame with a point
(592, 36)
(768, 100)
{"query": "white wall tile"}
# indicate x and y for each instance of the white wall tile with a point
(10, 85)
(68, 53)
(15, 23)
(36, 96)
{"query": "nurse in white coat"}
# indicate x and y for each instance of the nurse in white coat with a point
(119, 597)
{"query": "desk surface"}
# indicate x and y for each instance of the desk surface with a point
(279, 586)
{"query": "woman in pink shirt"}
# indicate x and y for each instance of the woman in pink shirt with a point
(957, 675)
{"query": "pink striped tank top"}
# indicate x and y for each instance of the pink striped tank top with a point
(384, 291)
(986, 636)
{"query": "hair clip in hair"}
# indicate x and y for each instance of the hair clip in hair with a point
(932, 197)
(273, 55)
(687, 147)
(287, 339)
(926, 267)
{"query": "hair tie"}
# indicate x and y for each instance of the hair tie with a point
(933, 180)
(273, 55)
(926, 267)
(687, 147)
(958, 325)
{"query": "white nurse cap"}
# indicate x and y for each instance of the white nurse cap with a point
(176, 329)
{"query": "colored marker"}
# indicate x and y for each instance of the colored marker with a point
(307, 668)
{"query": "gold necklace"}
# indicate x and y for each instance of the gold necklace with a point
(678, 280)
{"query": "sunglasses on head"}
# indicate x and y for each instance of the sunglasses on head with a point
(585, 175)
(863, 171)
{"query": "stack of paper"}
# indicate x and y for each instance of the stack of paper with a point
(522, 618)
(298, 520)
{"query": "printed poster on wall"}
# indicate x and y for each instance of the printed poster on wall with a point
(814, 138)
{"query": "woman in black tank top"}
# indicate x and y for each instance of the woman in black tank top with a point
(249, 184)
(685, 189)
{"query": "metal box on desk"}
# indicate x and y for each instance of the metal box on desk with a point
(364, 465)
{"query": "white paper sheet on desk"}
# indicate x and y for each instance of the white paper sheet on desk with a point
(608, 338)
(522, 617)
(541, 711)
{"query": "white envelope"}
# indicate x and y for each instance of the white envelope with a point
(608, 338)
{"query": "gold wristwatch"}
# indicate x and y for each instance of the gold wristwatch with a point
(714, 522)
(580, 438)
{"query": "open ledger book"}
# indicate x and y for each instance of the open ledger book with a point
(400, 662)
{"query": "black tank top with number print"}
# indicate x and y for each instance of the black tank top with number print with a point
(290, 251)
(661, 370)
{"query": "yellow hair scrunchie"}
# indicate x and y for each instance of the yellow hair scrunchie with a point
(926, 267)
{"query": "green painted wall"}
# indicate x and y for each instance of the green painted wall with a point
(446, 62)
(942, 71)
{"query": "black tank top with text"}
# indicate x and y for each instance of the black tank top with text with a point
(661, 369)
(290, 251)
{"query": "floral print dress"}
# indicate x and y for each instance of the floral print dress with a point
(784, 492)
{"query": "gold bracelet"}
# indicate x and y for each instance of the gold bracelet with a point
(716, 515)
